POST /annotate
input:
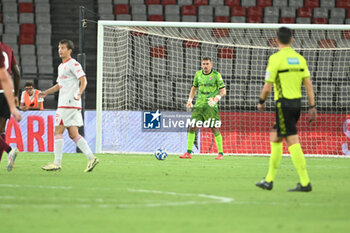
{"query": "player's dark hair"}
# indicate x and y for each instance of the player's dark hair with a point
(28, 84)
(206, 59)
(284, 35)
(68, 43)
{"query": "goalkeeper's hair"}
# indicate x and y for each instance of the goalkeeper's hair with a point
(206, 59)
(284, 35)
(68, 43)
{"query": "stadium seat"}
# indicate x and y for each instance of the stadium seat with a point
(296, 3)
(271, 19)
(44, 49)
(28, 28)
(115, 2)
(343, 97)
(192, 58)
(171, 10)
(9, 7)
(303, 20)
(44, 60)
(121, 9)
(343, 4)
(238, 19)
(280, 3)
(45, 70)
(42, 18)
(25, 7)
(123, 17)
(104, 8)
(205, 10)
(248, 3)
(27, 50)
(172, 18)
(189, 18)
(288, 12)
(9, 38)
(222, 19)
(155, 10)
(141, 17)
(1, 28)
(225, 66)
(29, 69)
(255, 11)
(232, 3)
(12, 28)
(184, 2)
(136, 2)
(9, 17)
(38, 1)
(155, 18)
(327, 3)
(271, 11)
(220, 32)
(26, 18)
(43, 28)
(26, 38)
(138, 9)
(42, 8)
(168, 2)
(152, 2)
(320, 13)
(238, 11)
(254, 19)
(205, 18)
(338, 13)
(105, 1)
(222, 11)
(287, 20)
(216, 2)
(200, 2)
(188, 10)
(311, 3)
(327, 43)
(264, 3)
(106, 16)
(320, 20)
(305, 12)
(336, 21)
(28, 60)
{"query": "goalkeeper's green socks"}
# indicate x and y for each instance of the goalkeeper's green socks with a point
(299, 163)
(190, 140)
(275, 159)
(218, 140)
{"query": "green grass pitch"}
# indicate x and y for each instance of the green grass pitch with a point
(137, 193)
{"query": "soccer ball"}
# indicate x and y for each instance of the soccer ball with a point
(160, 154)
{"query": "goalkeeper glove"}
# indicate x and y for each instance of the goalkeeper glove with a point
(189, 105)
(214, 100)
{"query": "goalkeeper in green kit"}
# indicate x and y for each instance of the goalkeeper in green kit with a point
(211, 89)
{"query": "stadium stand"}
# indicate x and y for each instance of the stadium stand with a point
(34, 27)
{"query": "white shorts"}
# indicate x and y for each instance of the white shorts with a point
(69, 117)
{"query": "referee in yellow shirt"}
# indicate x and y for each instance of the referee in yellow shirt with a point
(286, 71)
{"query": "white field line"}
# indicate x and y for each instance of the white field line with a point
(112, 203)
(35, 186)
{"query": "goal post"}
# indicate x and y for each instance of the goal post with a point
(146, 69)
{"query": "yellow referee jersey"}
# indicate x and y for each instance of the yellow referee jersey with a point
(286, 70)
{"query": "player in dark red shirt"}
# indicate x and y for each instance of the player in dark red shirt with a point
(8, 99)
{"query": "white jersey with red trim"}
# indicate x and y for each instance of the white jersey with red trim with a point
(69, 73)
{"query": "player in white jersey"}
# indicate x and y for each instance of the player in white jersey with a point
(68, 114)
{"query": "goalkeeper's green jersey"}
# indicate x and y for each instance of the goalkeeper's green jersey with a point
(286, 70)
(208, 86)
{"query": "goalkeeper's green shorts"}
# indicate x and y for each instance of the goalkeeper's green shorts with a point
(205, 113)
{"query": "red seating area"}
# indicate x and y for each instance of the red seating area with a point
(251, 14)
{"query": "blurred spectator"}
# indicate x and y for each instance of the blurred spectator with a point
(30, 99)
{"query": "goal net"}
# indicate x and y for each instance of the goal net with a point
(146, 70)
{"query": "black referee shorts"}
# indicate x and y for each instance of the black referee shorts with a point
(287, 116)
(4, 107)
